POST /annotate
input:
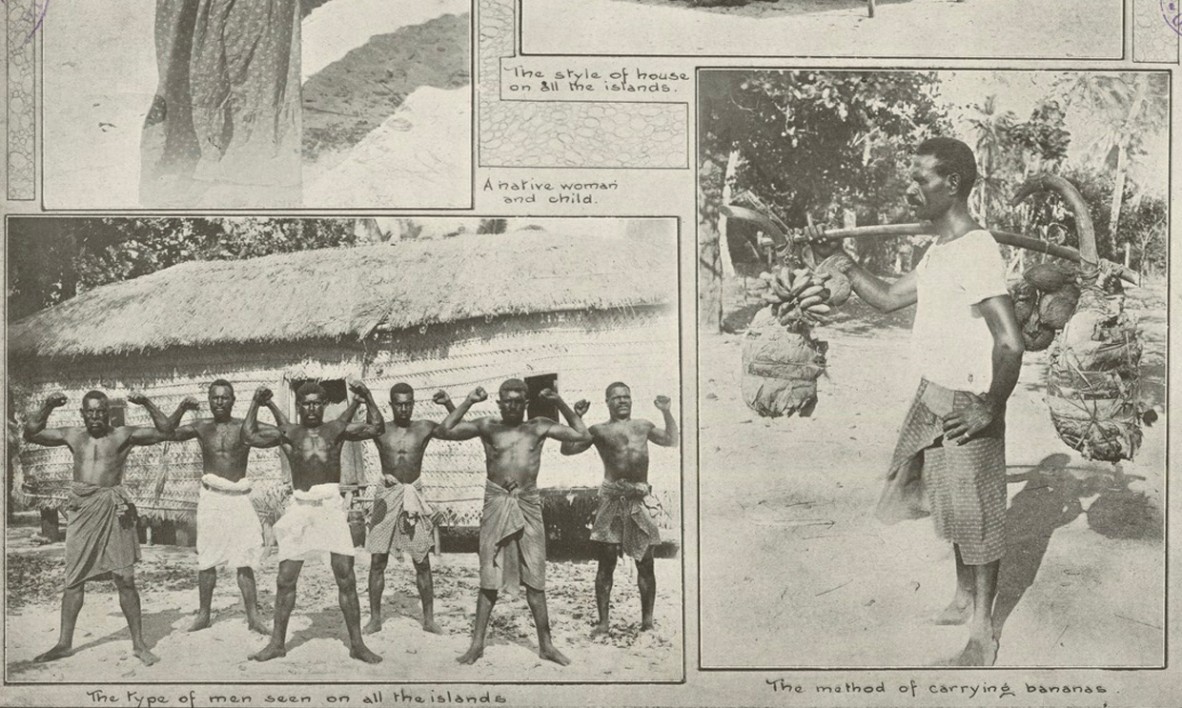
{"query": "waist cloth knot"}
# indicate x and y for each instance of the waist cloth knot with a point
(626, 517)
(962, 487)
(401, 520)
(315, 523)
(512, 538)
(100, 533)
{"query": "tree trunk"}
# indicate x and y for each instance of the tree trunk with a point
(724, 244)
(1122, 155)
(709, 276)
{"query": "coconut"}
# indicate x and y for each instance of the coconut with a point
(1049, 277)
(1023, 309)
(1039, 339)
(1021, 290)
(1031, 325)
(1055, 309)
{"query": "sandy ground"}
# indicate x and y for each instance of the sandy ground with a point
(100, 75)
(316, 637)
(795, 571)
(976, 28)
(390, 123)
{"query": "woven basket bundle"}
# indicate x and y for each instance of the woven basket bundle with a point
(780, 368)
(1092, 380)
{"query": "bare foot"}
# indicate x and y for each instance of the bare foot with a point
(57, 652)
(955, 613)
(549, 653)
(646, 625)
(362, 653)
(373, 626)
(256, 625)
(201, 622)
(430, 626)
(145, 656)
(271, 651)
(978, 652)
(471, 655)
(600, 630)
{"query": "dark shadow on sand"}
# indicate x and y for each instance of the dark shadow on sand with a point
(1049, 500)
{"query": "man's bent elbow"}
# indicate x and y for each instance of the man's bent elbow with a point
(1010, 347)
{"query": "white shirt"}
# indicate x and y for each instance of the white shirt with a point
(950, 342)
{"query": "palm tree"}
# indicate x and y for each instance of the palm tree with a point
(1125, 104)
(991, 131)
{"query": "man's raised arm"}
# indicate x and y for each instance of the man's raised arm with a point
(252, 434)
(668, 436)
(35, 431)
(451, 427)
(879, 294)
(149, 436)
(373, 425)
(280, 419)
(577, 432)
(574, 448)
(173, 422)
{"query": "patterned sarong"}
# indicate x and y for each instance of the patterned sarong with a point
(512, 538)
(963, 485)
(224, 126)
(625, 517)
(100, 533)
(314, 524)
(228, 528)
(401, 521)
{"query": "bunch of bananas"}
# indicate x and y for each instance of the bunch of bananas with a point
(798, 296)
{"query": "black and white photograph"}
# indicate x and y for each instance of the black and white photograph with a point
(932, 368)
(388, 449)
(980, 29)
(274, 104)
(797, 353)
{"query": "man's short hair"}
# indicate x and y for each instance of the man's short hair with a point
(95, 395)
(309, 387)
(513, 385)
(617, 384)
(401, 387)
(224, 383)
(952, 157)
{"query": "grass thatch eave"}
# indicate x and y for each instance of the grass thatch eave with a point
(345, 294)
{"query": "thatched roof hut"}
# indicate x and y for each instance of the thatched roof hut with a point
(452, 313)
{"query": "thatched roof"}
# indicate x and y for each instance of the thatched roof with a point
(346, 293)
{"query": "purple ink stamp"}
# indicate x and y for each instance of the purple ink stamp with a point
(1171, 14)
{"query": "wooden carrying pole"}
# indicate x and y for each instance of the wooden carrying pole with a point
(923, 228)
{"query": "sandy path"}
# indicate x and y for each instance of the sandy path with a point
(316, 636)
(977, 28)
(1082, 583)
(420, 156)
(389, 124)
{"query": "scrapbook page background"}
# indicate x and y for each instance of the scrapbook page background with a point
(464, 192)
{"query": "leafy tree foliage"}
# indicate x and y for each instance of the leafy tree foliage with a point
(53, 259)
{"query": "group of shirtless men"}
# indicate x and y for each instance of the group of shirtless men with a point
(101, 536)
